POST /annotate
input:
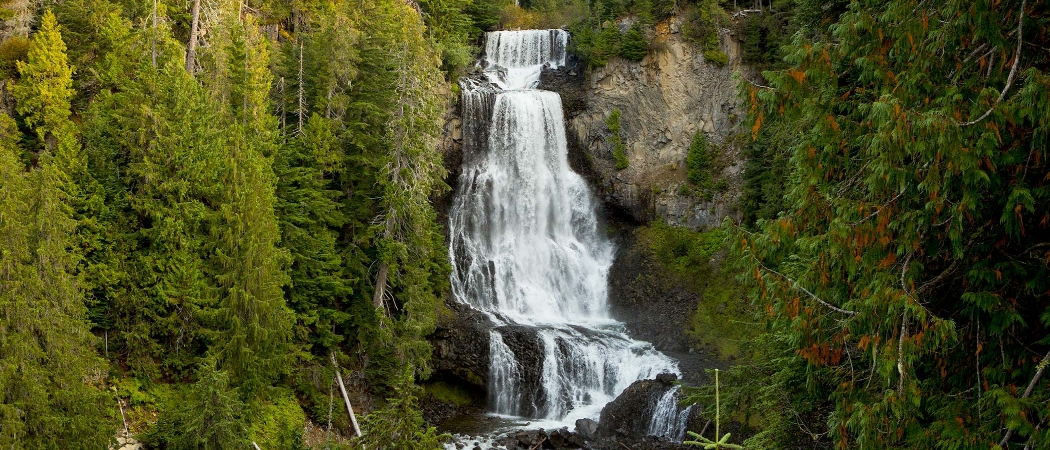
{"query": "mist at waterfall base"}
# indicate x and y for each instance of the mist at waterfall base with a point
(526, 248)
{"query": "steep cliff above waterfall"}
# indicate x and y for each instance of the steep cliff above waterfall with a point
(664, 100)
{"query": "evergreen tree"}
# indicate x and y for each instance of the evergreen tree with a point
(634, 47)
(255, 323)
(46, 87)
(310, 214)
(49, 367)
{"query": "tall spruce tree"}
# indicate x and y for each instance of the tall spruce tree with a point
(250, 266)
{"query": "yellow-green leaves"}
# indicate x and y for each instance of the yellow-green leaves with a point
(46, 86)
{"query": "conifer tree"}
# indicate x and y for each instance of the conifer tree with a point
(51, 371)
(250, 265)
(46, 87)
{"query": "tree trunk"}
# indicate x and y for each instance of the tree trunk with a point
(346, 398)
(384, 268)
(191, 47)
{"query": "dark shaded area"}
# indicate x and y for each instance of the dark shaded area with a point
(655, 306)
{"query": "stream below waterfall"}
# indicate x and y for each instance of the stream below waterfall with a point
(528, 250)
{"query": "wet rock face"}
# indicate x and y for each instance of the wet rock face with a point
(664, 100)
(461, 346)
(628, 415)
(528, 351)
(625, 420)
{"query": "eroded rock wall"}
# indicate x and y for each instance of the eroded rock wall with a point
(664, 100)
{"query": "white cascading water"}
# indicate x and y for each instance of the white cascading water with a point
(526, 247)
(669, 419)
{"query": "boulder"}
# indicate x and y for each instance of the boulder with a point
(628, 415)
(667, 378)
(587, 428)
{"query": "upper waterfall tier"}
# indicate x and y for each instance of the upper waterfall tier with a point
(514, 58)
(524, 233)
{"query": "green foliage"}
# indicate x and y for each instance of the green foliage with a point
(11, 51)
(913, 223)
(280, 422)
(701, 26)
(698, 161)
(720, 440)
(606, 45)
(219, 228)
(486, 13)
(49, 372)
(448, 393)
(722, 317)
(400, 425)
(205, 415)
(46, 85)
(716, 56)
(48, 369)
(619, 149)
(700, 168)
(765, 170)
(452, 28)
(634, 47)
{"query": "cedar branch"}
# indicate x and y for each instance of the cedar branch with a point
(795, 285)
(1031, 385)
(1010, 77)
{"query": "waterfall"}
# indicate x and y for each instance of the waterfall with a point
(503, 395)
(669, 420)
(526, 247)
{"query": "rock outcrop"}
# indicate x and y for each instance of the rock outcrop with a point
(625, 420)
(461, 346)
(664, 100)
(627, 416)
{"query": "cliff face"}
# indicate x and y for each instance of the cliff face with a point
(664, 100)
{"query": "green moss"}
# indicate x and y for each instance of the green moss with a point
(722, 319)
(448, 393)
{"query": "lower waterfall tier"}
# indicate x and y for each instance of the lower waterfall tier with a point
(565, 373)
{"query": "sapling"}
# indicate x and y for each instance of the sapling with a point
(719, 442)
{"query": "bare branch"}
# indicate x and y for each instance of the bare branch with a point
(795, 285)
(900, 352)
(1013, 71)
(1031, 385)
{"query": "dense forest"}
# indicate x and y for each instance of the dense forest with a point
(210, 208)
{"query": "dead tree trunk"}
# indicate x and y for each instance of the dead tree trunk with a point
(191, 47)
(384, 268)
(346, 398)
